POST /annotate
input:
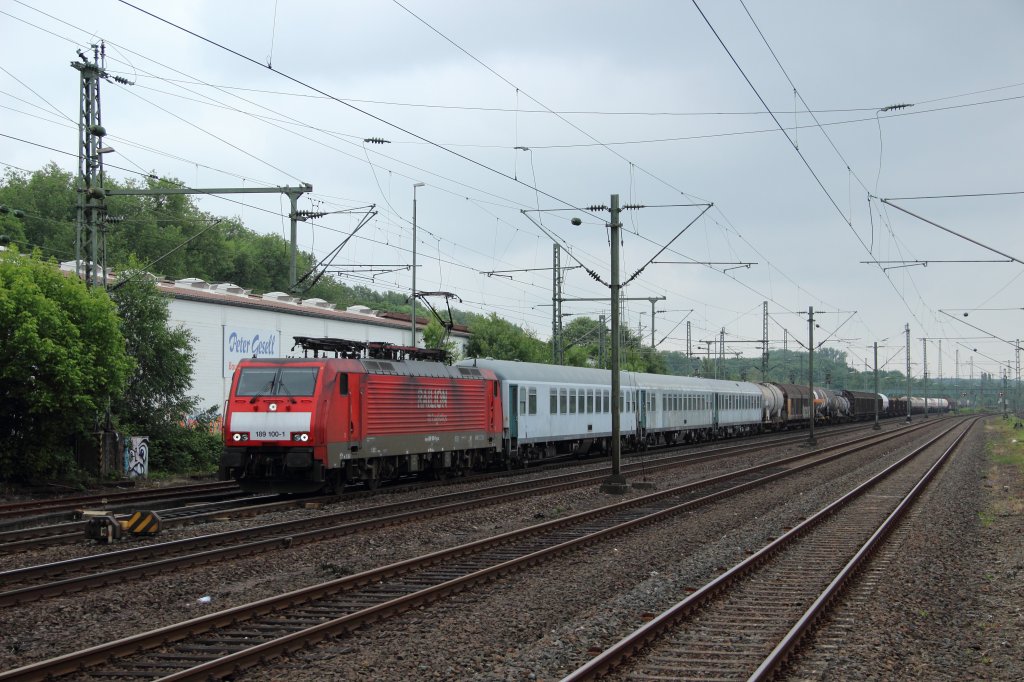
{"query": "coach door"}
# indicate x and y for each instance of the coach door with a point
(641, 413)
(513, 411)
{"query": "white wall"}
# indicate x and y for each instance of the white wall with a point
(207, 322)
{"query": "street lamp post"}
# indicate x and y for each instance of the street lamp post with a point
(418, 184)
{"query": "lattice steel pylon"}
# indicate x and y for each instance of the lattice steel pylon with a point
(764, 348)
(91, 213)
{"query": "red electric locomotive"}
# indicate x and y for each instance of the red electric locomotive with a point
(371, 413)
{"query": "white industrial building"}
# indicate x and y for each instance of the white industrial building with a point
(229, 323)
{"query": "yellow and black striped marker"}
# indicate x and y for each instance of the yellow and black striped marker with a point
(107, 528)
(141, 523)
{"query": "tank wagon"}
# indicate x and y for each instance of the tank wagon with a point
(917, 405)
(785, 405)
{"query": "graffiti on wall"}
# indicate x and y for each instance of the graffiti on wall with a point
(136, 457)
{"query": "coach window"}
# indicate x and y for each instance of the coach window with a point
(572, 401)
(533, 400)
(342, 383)
(604, 399)
(522, 400)
(553, 395)
(590, 401)
(563, 401)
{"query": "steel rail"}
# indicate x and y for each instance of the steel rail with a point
(780, 654)
(641, 516)
(627, 647)
(23, 508)
(237, 543)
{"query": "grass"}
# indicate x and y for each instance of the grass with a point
(1004, 450)
(1006, 444)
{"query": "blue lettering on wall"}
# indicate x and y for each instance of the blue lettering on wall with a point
(254, 346)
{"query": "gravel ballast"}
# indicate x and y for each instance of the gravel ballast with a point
(957, 610)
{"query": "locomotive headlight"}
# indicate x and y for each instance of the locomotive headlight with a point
(300, 437)
(237, 437)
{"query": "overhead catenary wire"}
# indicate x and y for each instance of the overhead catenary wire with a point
(662, 181)
(782, 293)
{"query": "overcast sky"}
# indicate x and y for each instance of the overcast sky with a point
(504, 107)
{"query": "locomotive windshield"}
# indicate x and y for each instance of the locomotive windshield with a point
(287, 381)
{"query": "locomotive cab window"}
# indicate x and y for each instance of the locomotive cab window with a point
(342, 383)
(287, 381)
(256, 381)
(296, 381)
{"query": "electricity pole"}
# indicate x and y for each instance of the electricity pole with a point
(556, 304)
(91, 208)
(924, 373)
(907, 329)
(876, 427)
(653, 300)
(810, 370)
(616, 483)
(689, 348)
(764, 351)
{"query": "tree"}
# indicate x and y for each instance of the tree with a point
(48, 200)
(155, 401)
(64, 361)
(433, 337)
(493, 337)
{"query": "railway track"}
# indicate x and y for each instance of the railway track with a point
(66, 505)
(45, 580)
(37, 537)
(745, 623)
(223, 643)
(25, 538)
